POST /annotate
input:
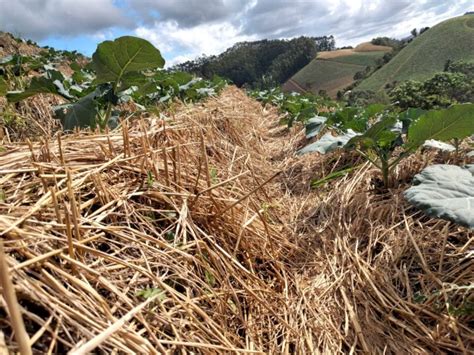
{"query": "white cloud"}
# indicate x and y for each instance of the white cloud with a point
(208, 39)
(187, 13)
(37, 19)
(189, 28)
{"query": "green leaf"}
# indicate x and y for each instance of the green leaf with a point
(213, 175)
(385, 139)
(113, 59)
(75, 66)
(78, 77)
(150, 179)
(152, 292)
(327, 143)
(133, 79)
(374, 109)
(54, 74)
(331, 176)
(182, 78)
(348, 118)
(38, 85)
(378, 134)
(62, 90)
(210, 279)
(314, 126)
(409, 116)
(81, 114)
(445, 191)
(9, 59)
(443, 125)
(446, 147)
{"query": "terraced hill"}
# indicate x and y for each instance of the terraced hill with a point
(427, 54)
(335, 70)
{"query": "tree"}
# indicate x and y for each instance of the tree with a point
(423, 30)
(455, 85)
(260, 64)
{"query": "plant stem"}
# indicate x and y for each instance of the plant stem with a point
(456, 146)
(385, 172)
(368, 158)
(108, 113)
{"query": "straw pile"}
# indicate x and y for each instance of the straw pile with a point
(398, 282)
(29, 119)
(200, 234)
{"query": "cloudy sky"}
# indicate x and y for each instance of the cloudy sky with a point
(184, 29)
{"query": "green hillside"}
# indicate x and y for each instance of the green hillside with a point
(334, 73)
(427, 54)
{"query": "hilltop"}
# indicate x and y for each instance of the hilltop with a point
(10, 45)
(332, 71)
(427, 54)
(262, 63)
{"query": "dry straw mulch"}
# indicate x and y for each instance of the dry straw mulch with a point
(150, 238)
(201, 234)
(30, 119)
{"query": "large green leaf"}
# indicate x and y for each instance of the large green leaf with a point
(446, 147)
(133, 79)
(328, 143)
(38, 85)
(113, 59)
(182, 78)
(374, 109)
(81, 114)
(445, 191)
(442, 125)
(379, 134)
(409, 116)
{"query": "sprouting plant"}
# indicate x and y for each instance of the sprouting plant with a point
(170, 236)
(296, 107)
(122, 70)
(210, 278)
(378, 144)
(121, 63)
(213, 175)
(152, 292)
(384, 137)
(150, 179)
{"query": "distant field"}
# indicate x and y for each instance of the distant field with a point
(333, 71)
(363, 48)
(335, 54)
(361, 58)
(326, 75)
(369, 47)
(427, 54)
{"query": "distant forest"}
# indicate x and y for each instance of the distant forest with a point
(260, 64)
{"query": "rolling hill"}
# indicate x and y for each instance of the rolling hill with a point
(334, 70)
(427, 54)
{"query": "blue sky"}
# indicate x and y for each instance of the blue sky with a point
(185, 29)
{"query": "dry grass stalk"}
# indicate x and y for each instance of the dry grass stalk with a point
(9, 295)
(95, 220)
(151, 261)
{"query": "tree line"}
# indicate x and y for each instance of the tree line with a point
(260, 64)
